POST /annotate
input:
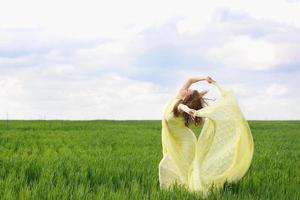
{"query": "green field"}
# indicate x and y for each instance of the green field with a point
(119, 160)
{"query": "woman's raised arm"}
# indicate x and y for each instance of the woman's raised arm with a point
(192, 80)
(184, 88)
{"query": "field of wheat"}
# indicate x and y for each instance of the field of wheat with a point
(119, 160)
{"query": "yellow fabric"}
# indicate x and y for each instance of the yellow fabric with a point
(222, 152)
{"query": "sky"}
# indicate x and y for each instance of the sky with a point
(125, 59)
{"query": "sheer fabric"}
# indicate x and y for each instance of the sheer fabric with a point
(223, 152)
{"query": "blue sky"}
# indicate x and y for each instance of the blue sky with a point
(125, 59)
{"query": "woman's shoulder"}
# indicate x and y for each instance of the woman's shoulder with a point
(170, 105)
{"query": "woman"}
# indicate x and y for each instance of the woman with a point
(190, 101)
(223, 151)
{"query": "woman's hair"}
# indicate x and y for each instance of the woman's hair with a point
(194, 101)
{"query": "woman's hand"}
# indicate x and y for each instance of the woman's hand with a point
(192, 113)
(209, 80)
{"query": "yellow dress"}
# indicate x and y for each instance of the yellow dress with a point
(223, 152)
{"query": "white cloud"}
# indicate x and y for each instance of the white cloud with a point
(123, 19)
(13, 62)
(114, 55)
(29, 95)
(265, 107)
(241, 90)
(92, 18)
(245, 52)
(280, 11)
(199, 13)
(277, 89)
(267, 103)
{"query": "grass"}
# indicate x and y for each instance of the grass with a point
(119, 160)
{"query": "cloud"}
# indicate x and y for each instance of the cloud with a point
(29, 95)
(245, 52)
(277, 89)
(94, 59)
(231, 39)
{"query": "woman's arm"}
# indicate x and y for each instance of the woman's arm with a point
(184, 88)
(186, 109)
(192, 80)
